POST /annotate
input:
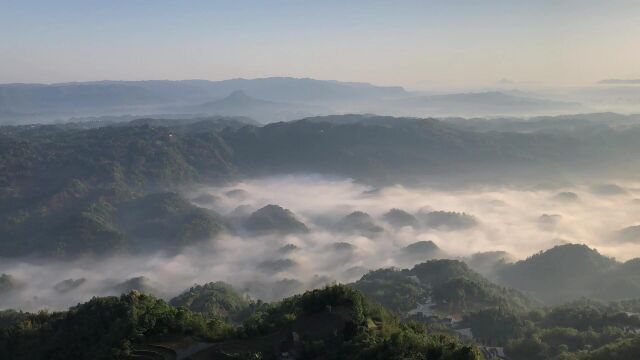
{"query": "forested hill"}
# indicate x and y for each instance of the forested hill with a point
(385, 148)
(333, 323)
(66, 190)
(214, 321)
(56, 178)
(163, 152)
(376, 148)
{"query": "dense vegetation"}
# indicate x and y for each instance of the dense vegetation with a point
(450, 285)
(103, 328)
(216, 300)
(65, 189)
(75, 189)
(336, 322)
(392, 289)
(339, 323)
(166, 220)
(333, 323)
(568, 272)
(581, 330)
(503, 317)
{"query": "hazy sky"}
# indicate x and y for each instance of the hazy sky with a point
(418, 44)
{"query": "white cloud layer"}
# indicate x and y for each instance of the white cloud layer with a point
(509, 220)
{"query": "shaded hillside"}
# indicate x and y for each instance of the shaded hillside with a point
(448, 221)
(572, 271)
(350, 145)
(64, 190)
(359, 222)
(68, 183)
(449, 284)
(106, 224)
(167, 221)
(274, 219)
(490, 262)
(371, 147)
(420, 251)
(399, 218)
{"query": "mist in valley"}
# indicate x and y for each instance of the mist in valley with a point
(348, 229)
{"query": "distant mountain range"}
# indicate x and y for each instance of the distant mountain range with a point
(619, 81)
(265, 100)
(238, 103)
(146, 97)
(489, 103)
(548, 124)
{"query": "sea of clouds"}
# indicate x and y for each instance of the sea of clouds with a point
(518, 220)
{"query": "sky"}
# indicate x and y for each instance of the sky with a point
(417, 44)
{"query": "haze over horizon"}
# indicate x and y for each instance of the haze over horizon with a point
(420, 45)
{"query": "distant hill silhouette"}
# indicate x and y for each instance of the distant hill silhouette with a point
(46, 102)
(265, 99)
(238, 103)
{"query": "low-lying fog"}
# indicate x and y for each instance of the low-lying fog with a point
(273, 265)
